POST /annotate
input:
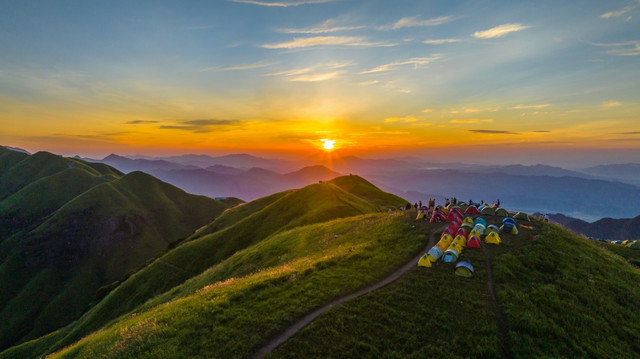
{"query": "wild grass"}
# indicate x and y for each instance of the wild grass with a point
(232, 309)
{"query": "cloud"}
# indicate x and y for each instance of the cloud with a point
(140, 122)
(316, 77)
(541, 131)
(201, 125)
(624, 10)
(368, 83)
(495, 132)
(629, 133)
(312, 73)
(253, 66)
(427, 110)
(400, 119)
(610, 104)
(471, 120)
(440, 41)
(297, 43)
(282, 3)
(499, 31)
(417, 22)
(328, 26)
(528, 107)
(626, 48)
(415, 61)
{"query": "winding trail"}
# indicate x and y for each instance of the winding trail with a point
(502, 326)
(316, 313)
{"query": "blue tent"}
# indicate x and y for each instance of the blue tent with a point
(464, 269)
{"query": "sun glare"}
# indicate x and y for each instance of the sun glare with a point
(327, 144)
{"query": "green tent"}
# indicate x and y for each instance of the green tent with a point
(502, 212)
(523, 216)
(488, 211)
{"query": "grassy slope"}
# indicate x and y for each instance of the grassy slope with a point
(78, 227)
(240, 227)
(561, 296)
(237, 306)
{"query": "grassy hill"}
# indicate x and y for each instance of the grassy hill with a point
(236, 229)
(70, 229)
(258, 268)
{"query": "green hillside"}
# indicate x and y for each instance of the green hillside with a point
(71, 228)
(236, 229)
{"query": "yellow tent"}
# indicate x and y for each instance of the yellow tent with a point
(492, 238)
(436, 251)
(445, 242)
(420, 215)
(424, 261)
(468, 220)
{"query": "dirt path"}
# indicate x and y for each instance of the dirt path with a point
(316, 313)
(502, 326)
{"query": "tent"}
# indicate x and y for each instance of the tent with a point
(502, 212)
(420, 215)
(424, 261)
(473, 242)
(493, 228)
(523, 216)
(481, 221)
(492, 238)
(488, 211)
(472, 210)
(453, 252)
(467, 220)
(509, 227)
(624, 243)
(467, 225)
(436, 251)
(509, 219)
(462, 232)
(635, 245)
(434, 217)
(464, 269)
(479, 228)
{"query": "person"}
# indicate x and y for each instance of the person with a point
(420, 203)
(437, 214)
(546, 218)
(454, 201)
(432, 202)
(498, 203)
(470, 202)
(446, 202)
(408, 206)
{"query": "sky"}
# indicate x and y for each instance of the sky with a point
(554, 82)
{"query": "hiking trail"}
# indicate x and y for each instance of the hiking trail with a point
(277, 341)
(502, 326)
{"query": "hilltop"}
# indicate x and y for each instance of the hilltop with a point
(71, 230)
(258, 268)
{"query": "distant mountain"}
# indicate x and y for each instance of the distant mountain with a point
(17, 149)
(578, 197)
(605, 228)
(127, 165)
(536, 170)
(70, 229)
(241, 161)
(224, 170)
(248, 185)
(626, 172)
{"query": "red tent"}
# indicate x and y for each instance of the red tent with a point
(473, 242)
(472, 210)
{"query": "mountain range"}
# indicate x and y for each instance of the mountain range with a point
(69, 229)
(189, 276)
(605, 228)
(538, 188)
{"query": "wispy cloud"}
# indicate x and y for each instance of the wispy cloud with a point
(625, 48)
(440, 41)
(407, 119)
(318, 72)
(499, 31)
(297, 43)
(282, 3)
(427, 110)
(140, 122)
(629, 133)
(368, 83)
(610, 104)
(417, 62)
(323, 76)
(253, 66)
(328, 26)
(541, 131)
(529, 107)
(624, 10)
(493, 132)
(472, 120)
(201, 126)
(415, 21)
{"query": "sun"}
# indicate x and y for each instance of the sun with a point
(327, 144)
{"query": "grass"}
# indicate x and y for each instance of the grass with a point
(232, 309)
(238, 229)
(71, 227)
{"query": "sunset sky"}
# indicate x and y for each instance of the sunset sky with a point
(537, 82)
